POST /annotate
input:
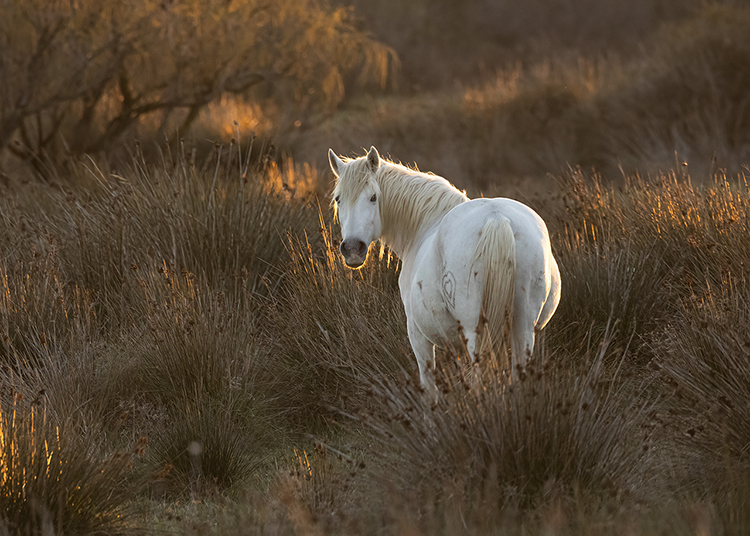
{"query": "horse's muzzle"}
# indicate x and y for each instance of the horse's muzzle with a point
(354, 252)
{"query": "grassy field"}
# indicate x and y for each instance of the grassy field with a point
(182, 349)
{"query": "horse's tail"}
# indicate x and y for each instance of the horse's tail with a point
(497, 252)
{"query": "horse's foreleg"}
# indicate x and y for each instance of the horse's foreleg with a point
(424, 351)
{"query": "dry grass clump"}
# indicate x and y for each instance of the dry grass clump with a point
(636, 252)
(702, 362)
(209, 448)
(485, 449)
(705, 367)
(331, 325)
(200, 361)
(608, 283)
(54, 481)
(196, 341)
(218, 219)
(38, 304)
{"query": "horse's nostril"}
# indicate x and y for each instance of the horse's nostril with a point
(353, 247)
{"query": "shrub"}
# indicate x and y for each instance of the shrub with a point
(88, 75)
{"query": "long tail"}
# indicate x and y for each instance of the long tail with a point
(497, 252)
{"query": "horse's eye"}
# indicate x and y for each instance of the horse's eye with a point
(373, 198)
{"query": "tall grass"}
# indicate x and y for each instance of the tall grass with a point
(198, 360)
(270, 385)
(639, 251)
(52, 482)
(496, 446)
(128, 312)
(332, 326)
(704, 364)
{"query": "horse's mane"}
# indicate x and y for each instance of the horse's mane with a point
(410, 200)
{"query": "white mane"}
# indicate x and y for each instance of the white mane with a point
(410, 201)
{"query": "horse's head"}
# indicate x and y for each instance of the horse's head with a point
(356, 198)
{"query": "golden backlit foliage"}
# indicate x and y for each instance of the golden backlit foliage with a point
(49, 482)
(81, 74)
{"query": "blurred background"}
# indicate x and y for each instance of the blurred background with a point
(493, 94)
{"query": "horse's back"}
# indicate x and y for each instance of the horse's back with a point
(461, 227)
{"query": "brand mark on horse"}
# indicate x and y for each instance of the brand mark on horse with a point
(449, 289)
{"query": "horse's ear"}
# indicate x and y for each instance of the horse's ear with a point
(335, 162)
(373, 159)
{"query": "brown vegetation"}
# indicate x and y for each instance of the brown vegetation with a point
(181, 348)
(77, 76)
(285, 381)
(681, 96)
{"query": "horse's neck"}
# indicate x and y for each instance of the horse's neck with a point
(407, 215)
(400, 243)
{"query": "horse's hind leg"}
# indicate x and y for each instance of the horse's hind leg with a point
(527, 307)
(467, 312)
(424, 351)
(535, 303)
(522, 344)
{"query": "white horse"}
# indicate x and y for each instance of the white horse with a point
(464, 261)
